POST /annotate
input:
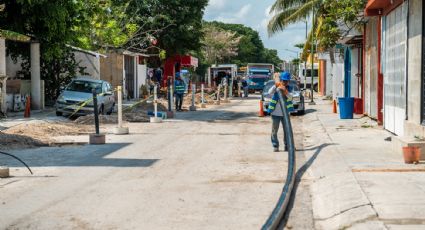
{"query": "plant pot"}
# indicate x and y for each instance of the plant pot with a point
(411, 154)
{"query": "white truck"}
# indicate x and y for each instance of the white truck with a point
(305, 76)
(216, 74)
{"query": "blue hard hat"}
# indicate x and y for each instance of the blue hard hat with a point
(177, 74)
(285, 76)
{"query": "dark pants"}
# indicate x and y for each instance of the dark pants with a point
(276, 120)
(179, 101)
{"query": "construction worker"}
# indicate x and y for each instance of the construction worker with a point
(275, 110)
(245, 87)
(180, 88)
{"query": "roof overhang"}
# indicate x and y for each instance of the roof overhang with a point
(14, 36)
(95, 54)
(380, 7)
(129, 53)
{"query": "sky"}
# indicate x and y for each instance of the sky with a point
(255, 14)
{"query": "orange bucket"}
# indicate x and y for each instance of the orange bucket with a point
(411, 154)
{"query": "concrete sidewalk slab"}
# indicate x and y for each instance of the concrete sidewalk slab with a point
(360, 183)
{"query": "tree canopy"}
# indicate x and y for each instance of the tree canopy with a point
(250, 48)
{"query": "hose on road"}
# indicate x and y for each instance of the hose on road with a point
(275, 218)
(8, 154)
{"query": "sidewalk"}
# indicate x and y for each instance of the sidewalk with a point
(358, 181)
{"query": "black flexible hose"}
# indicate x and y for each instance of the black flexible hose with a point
(8, 154)
(276, 216)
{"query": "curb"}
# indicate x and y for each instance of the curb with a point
(338, 201)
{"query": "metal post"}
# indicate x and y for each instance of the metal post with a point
(231, 89)
(155, 101)
(96, 111)
(305, 62)
(155, 118)
(169, 95)
(226, 99)
(202, 96)
(119, 106)
(193, 107)
(312, 60)
(217, 102)
(120, 130)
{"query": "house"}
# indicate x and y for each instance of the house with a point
(399, 67)
(37, 101)
(125, 68)
(89, 60)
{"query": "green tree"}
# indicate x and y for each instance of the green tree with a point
(251, 49)
(176, 24)
(51, 23)
(332, 19)
(219, 44)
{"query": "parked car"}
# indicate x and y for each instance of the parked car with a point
(76, 98)
(297, 96)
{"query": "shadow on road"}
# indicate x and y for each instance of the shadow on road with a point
(81, 156)
(298, 177)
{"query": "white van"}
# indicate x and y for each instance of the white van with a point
(305, 76)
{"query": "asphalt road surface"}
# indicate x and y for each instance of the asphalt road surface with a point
(210, 169)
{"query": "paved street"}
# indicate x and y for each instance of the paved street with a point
(210, 169)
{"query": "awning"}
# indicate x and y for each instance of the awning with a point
(380, 7)
(189, 61)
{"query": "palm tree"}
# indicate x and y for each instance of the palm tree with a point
(286, 12)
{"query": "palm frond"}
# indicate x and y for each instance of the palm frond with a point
(280, 5)
(289, 16)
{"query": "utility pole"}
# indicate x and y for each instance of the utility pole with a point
(305, 61)
(312, 60)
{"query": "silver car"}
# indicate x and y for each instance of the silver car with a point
(297, 96)
(76, 98)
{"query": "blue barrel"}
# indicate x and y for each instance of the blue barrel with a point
(346, 107)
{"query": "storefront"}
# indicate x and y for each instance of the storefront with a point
(394, 24)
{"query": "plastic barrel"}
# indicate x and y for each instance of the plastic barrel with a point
(346, 107)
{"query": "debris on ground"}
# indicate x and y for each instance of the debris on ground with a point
(209, 99)
(35, 134)
(148, 105)
(13, 141)
(103, 119)
(113, 119)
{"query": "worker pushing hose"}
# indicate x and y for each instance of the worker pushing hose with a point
(282, 102)
(275, 110)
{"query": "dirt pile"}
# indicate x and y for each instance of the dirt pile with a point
(145, 106)
(38, 134)
(209, 99)
(140, 116)
(12, 141)
(103, 119)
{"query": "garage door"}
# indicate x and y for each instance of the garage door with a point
(394, 54)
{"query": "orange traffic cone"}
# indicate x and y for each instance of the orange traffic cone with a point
(261, 114)
(334, 110)
(27, 112)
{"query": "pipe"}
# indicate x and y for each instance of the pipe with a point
(276, 216)
(8, 154)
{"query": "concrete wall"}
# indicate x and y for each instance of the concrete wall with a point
(414, 82)
(328, 89)
(90, 62)
(13, 68)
